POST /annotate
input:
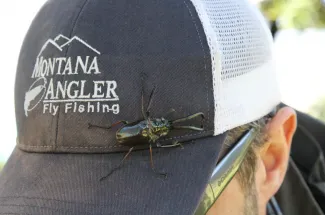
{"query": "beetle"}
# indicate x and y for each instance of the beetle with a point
(147, 131)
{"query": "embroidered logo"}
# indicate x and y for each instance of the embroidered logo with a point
(75, 95)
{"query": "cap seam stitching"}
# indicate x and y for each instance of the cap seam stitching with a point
(205, 63)
(63, 78)
(41, 207)
(55, 200)
(6, 213)
(99, 147)
(36, 206)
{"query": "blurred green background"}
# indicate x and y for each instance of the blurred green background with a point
(318, 109)
(301, 15)
(298, 14)
(299, 32)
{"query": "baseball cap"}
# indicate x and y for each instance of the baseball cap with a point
(127, 64)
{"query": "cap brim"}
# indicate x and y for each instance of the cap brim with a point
(33, 183)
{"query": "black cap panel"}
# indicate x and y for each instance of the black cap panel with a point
(35, 129)
(114, 50)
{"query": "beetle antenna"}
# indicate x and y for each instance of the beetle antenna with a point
(150, 100)
(144, 114)
(188, 118)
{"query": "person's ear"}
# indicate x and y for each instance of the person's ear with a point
(274, 156)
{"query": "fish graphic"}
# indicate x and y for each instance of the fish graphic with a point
(32, 94)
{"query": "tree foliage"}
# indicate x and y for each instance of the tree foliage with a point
(299, 14)
(318, 109)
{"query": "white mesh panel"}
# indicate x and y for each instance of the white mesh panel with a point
(244, 77)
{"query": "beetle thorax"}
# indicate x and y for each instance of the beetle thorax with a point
(159, 128)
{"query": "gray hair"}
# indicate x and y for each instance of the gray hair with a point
(246, 173)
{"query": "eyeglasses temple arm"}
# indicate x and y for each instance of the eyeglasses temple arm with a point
(273, 207)
(225, 171)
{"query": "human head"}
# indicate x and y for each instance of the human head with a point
(96, 63)
(263, 169)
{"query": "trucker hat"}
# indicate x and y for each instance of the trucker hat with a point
(123, 65)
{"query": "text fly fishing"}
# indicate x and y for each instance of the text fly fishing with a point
(147, 131)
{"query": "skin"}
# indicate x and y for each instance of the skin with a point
(272, 163)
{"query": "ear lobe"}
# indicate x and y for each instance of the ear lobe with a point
(275, 153)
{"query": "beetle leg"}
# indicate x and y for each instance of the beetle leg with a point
(174, 144)
(170, 112)
(152, 166)
(98, 126)
(189, 117)
(151, 160)
(119, 166)
(122, 121)
(189, 128)
(107, 127)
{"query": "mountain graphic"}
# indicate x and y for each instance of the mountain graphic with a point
(62, 41)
